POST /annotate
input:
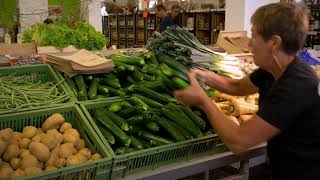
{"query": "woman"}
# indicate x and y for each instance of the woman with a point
(287, 118)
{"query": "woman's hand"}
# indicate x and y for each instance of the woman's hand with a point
(193, 95)
(203, 74)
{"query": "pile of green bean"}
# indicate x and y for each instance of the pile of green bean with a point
(20, 92)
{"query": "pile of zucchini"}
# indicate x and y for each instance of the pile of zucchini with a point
(150, 116)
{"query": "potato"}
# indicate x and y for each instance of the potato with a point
(5, 172)
(53, 158)
(65, 126)
(24, 143)
(56, 134)
(85, 152)
(75, 159)
(96, 157)
(17, 136)
(73, 132)
(37, 138)
(79, 144)
(6, 134)
(3, 147)
(5, 164)
(66, 150)
(11, 152)
(53, 122)
(18, 173)
(61, 162)
(39, 131)
(40, 151)
(24, 152)
(32, 170)
(50, 168)
(29, 132)
(70, 136)
(15, 163)
(29, 161)
(49, 140)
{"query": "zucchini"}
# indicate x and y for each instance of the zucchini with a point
(134, 129)
(148, 101)
(172, 63)
(155, 85)
(167, 126)
(131, 80)
(150, 93)
(137, 75)
(148, 77)
(101, 117)
(153, 59)
(150, 69)
(180, 83)
(82, 94)
(138, 119)
(158, 139)
(88, 78)
(103, 89)
(181, 130)
(123, 66)
(125, 104)
(139, 102)
(99, 96)
(108, 135)
(118, 92)
(136, 143)
(133, 60)
(130, 111)
(194, 117)
(152, 126)
(182, 121)
(115, 107)
(93, 89)
(166, 70)
(111, 80)
(125, 150)
(117, 119)
(71, 84)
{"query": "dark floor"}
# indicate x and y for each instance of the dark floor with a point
(260, 172)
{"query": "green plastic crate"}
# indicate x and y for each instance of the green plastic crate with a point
(59, 74)
(152, 158)
(100, 169)
(41, 72)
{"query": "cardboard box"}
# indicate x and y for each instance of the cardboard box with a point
(234, 42)
(18, 49)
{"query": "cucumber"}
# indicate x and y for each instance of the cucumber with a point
(123, 66)
(175, 133)
(139, 102)
(181, 130)
(136, 143)
(125, 150)
(138, 119)
(115, 107)
(93, 89)
(111, 80)
(71, 84)
(134, 129)
(117, 119)
(148, 101)
(103, 89)
(101, 117)
(158, 139)
(133, 60)
(82, 94)
(108, 135)
(194, 117)
(182, 121)
(152, 126)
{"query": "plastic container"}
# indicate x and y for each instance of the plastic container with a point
(41, 72)
(152, 158)
(304, 55)
(100, 169)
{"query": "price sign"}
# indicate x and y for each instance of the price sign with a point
(26, 60)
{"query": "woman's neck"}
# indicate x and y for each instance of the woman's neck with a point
(280, 64)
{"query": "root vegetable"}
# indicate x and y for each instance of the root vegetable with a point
(6, 134)
(233, 119)
(37, 138)
(244, 118)
(223, 105)
(18, 173)
(40, 151)
(54, 155)
(61, 162)
(70, 136)
(17, 136)
(73, 160)
(50, 168)
(65, 126)
(11, 152)
(79, 144)
(24, 152)
(3, 147)
(53, 122)
(29, 161)
(67, 150)
(29, 132)
(237, 108)
(56, 134)
(5, 172)
(32, 170)
(15, 163)
(39, 131)
(85, 152)
(96, 157)
(24, 143)
(49, 140)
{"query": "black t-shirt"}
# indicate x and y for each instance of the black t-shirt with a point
(166, 21)
(291, 104)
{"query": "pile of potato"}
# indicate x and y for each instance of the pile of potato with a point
(35, 150)
(239, 109)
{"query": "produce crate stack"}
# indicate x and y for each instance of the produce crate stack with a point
(130, 31)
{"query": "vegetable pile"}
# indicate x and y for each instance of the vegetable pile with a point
(36, 150)
(60, 35)
(20, 92)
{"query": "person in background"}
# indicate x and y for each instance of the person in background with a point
(166, 20)
(288, 117)
(175, 12)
